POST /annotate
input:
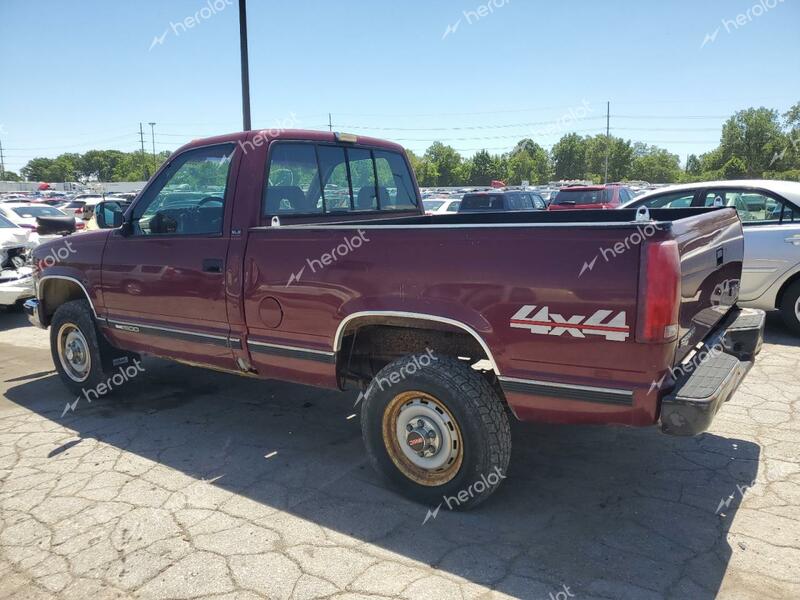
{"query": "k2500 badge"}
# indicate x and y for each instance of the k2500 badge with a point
(544, 322)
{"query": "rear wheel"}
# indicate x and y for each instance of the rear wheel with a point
(790, 307)
(438, 431)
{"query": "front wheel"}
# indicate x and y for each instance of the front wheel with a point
(75, 347)
(790, 307)
(438, 430)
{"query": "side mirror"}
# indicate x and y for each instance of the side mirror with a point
(55, 225)
(109, 215)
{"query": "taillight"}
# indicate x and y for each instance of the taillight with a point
(79, 211)
(659, 292)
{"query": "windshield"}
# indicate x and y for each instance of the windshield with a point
(5, 223)
(31, 212)
(581, 197)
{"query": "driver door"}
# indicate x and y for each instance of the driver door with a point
(163, 279)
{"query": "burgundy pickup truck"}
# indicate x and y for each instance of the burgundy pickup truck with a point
(307, 257)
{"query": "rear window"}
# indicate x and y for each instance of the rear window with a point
(482, 202)
(75, 204)
(582, 197)
(6, 223)
(433, 204)
(30, 212)
(304, 178)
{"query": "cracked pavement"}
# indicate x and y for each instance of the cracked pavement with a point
(192, 484)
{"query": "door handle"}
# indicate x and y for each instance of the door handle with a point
(212, 265)
(793, 240)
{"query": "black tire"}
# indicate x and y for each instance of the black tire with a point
(788, 307)
(478, 412)
(78, 314)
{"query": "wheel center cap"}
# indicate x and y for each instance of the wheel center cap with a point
(416, 441)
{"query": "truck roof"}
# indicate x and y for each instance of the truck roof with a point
(309, 135)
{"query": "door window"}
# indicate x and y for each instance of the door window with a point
(752, 207)
(188, 197)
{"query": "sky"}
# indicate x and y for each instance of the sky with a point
(83, 74)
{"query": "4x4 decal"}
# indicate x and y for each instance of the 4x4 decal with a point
(544, 322)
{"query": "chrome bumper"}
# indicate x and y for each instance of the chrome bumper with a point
(31, 308)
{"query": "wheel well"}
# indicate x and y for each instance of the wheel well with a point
(371, 343)
(55, 292)
(784, 287)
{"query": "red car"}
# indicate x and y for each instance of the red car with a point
(611, 195)
(306, 256)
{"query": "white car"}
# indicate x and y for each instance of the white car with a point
(78, 204)
(24, 215)
(770, 215)
(438, 206)
(16, 274)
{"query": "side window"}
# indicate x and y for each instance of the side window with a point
(673, 200)
(362, 175)
(394, 181)
(791, 214)
(526, 202)
(188, 197)
(752, 207)
(292, 180)
(333, 171)
(538, 202)
(454, 206)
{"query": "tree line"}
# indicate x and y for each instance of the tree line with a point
(94, 165)
(754, 143)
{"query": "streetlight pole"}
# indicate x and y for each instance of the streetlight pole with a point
(245, 65)
(153, 138)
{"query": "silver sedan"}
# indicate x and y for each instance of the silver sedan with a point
(770, 214)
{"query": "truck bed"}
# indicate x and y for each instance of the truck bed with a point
(512, 278)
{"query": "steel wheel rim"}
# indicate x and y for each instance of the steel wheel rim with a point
(797, 309)
(406, 421)
(73, 353)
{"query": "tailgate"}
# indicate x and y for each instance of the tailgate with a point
(711, 248)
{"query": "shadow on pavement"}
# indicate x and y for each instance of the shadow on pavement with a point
(606, 511)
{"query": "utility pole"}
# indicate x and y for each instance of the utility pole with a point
(608, 137)
(144, 165)
(330, 122)
(153, 138)
(245, 65)
(2, 162)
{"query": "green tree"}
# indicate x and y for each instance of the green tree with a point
(569, 157)
(528, 161)
(446, 161)
(482, 169)
(734, 169)
(9, 176)
(620, 156)
(693, 165)
(753, 136)
(655, 165)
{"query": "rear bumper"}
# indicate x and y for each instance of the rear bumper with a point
(712, 375)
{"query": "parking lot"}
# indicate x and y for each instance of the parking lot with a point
(189, 483)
